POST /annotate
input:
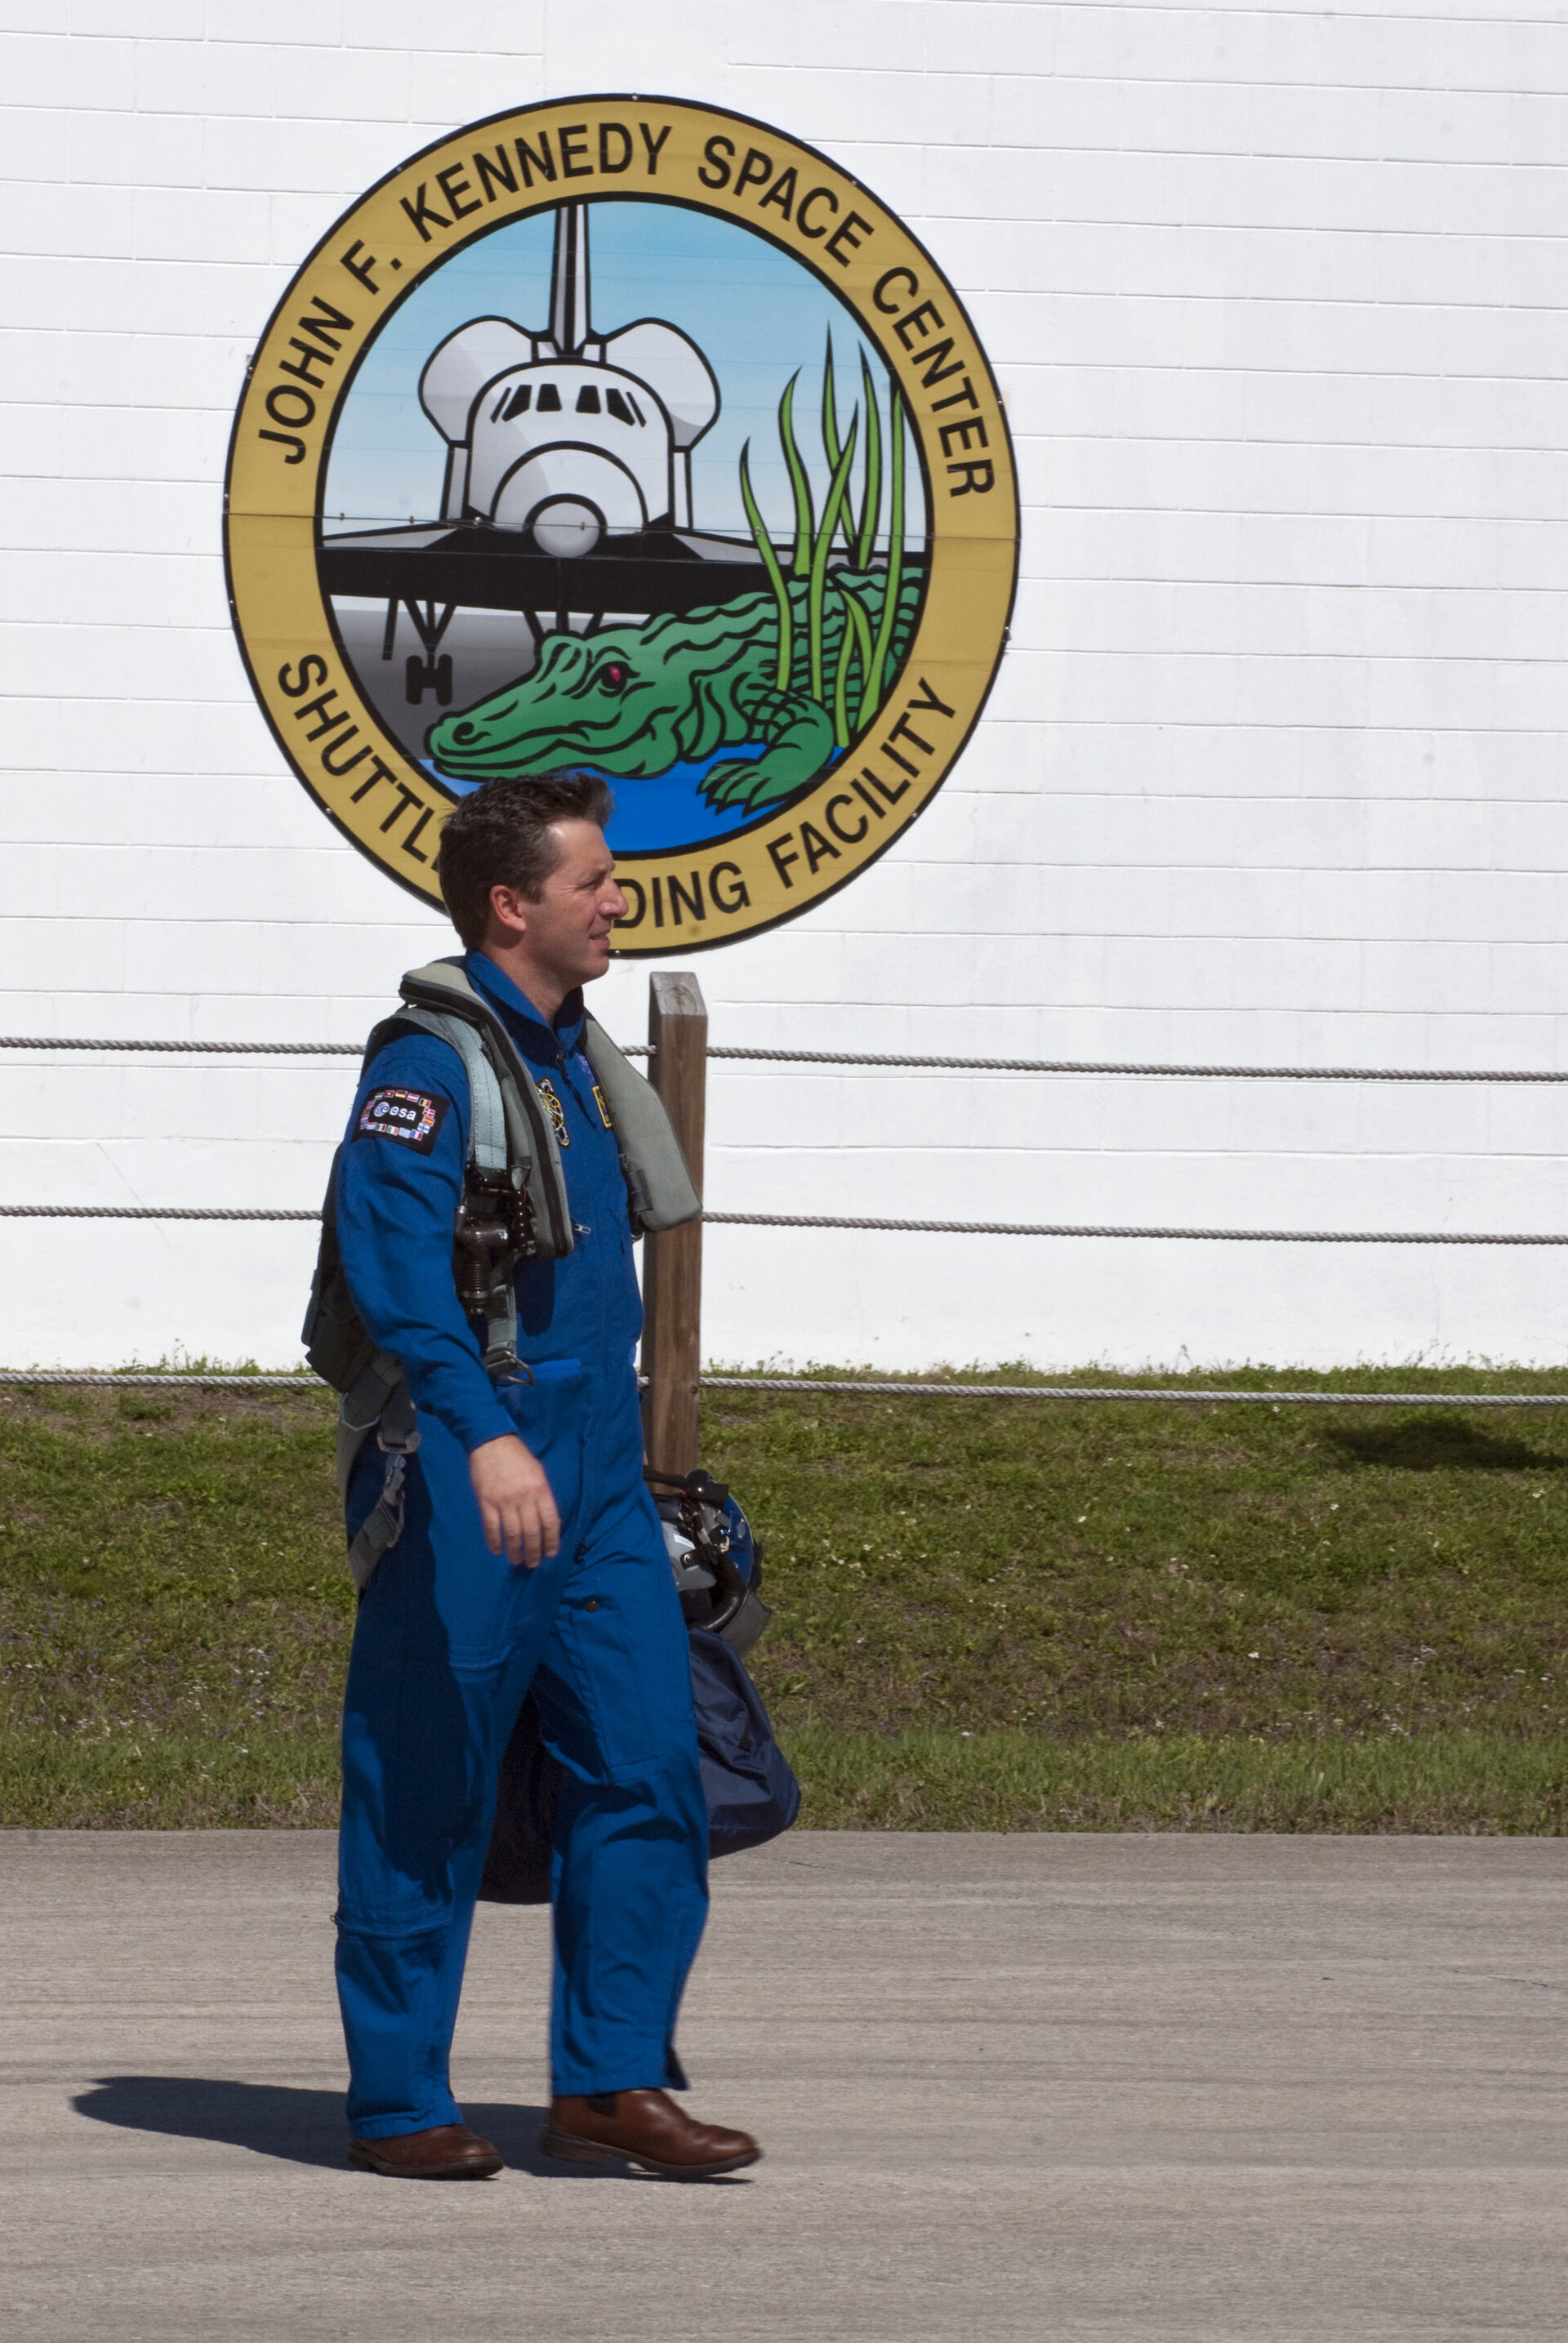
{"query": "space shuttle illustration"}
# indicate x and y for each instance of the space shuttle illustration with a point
(566, 439)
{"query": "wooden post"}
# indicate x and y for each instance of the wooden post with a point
(672, 1264)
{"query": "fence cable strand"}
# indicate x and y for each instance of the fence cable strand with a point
(1119, 1066)
(224, 1048)
(1091, 1229)
(1118, 1391)
(170, 1379)
(190, 1048)
(151, 1212)
(834, 1221)
(68, 1378)
(859, 1058)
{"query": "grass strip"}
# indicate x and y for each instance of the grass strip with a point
(1014, 1781)
(181, 1781)
(1183, 1615)
(1469, 1783)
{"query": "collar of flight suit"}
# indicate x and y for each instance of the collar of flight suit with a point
(544, 1043)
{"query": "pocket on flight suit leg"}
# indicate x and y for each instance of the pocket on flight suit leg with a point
(615, 1686)
(594, 1649)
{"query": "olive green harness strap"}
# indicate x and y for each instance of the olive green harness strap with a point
(656, 1180)
(487, 1104)
(378, 1402)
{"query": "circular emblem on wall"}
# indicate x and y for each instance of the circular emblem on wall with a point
(631, 437)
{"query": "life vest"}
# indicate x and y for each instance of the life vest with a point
(513, 1208)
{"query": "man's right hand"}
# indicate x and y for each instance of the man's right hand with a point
(515, 1502)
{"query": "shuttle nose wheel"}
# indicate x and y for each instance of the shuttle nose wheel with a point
(421, 676)
(430, 673)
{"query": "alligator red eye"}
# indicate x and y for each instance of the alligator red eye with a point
(614, 675)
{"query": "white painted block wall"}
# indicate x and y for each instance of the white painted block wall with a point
(1272, 773)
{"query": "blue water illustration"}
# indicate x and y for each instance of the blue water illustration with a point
(670, 810)
(659, 816)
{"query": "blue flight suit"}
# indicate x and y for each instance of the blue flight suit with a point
(449, 1637)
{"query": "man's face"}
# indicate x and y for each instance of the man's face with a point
(567, 932)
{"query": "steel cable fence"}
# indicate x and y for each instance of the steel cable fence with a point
(854, 1223)
(840, 1386)
(849, 1220)
(734, 1051)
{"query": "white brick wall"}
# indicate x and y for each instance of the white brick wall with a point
(1272, 773)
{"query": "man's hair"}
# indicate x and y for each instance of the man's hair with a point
(500, 837)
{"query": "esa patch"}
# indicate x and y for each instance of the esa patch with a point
(546, 1090)
(413, 1118)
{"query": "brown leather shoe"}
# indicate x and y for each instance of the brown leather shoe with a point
(446, 2152)
(647, 2129)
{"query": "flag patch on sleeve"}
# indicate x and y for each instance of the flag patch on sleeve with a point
(412, 1118)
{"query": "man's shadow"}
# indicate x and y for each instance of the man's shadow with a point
(301, 2126)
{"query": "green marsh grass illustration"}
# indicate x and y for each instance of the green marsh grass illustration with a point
(785, 675)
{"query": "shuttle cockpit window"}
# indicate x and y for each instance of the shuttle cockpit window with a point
(638, 401)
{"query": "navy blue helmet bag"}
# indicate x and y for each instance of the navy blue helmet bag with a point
(751, 1794)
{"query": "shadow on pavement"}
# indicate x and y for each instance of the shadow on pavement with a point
(302, 2126)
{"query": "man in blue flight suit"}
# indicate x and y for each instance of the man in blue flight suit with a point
(530, 1555)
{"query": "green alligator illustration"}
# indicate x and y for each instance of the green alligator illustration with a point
(632, 700)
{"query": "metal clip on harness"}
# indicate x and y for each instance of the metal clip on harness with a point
(493, 1233)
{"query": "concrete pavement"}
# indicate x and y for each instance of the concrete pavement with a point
(1122, 2089)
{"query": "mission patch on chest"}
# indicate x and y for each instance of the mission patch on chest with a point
(557, 1113)
(413, 1118)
